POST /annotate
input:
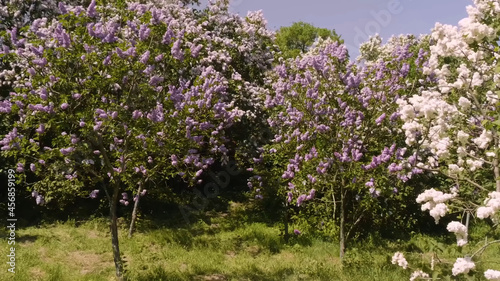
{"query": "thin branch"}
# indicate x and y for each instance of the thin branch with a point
(484, 247)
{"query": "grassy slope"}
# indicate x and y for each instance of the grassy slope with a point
(218, 251)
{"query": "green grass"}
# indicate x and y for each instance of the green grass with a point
(215, 251)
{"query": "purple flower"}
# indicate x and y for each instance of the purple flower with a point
(380, 119)
(20, 167)
(159, 57)
(157, 114)
(40, 200)
(369, 183)
(149, 69)
(176, 50)
(125, 195)
(76, 96)
(62, 8)
(91, 12)
(195, 50)
(311, 178)
(40, 62)
(155, 80)
(145, 57)
(199, 172)
(5, 106)
(374, 192)
(144, 32)
(312, 193)
(167, 36)
(40, 129)
(94, 193)
(34, 193)
(32, 167)
(41, 161)
(143, 192)
(130, 52)
(301, 199)
(290, 197)
(67, 151)
(296, 231)
(64, 106)
(107, 60)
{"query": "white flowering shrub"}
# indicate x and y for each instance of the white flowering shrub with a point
(453, 129)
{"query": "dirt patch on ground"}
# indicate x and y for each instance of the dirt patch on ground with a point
(37, 273)
(213, 277)
(285, 257)
(92, 234)
(183, 267)
(231, 254)
(253, 250)
(89, 262)
(43, 254)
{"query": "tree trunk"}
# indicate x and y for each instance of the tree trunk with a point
(496, 170)
(286, 223)
(114, 234)
(342, 226)
(134, 212)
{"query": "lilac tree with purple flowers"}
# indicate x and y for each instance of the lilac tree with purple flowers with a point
(115, 95)
(338, 126)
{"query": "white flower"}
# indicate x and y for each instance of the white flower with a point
(464, 103)
(399, 259)
(484, 139)
(462, 266)
(460, 231)
(418, 274)
(474, 164)
(492, 275)
(454, 169)
(462, 137)
(433, 201)
(490, 154)
(492, 205)
(476, 80)
(484, 212)
(438, 211)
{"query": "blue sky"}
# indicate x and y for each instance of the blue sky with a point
(354, 20)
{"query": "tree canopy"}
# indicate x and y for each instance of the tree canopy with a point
(298, 37)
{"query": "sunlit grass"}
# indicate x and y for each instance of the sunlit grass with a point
(216, 251)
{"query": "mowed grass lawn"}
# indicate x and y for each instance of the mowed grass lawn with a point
(219, 250)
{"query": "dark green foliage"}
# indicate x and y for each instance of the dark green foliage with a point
(298, 37)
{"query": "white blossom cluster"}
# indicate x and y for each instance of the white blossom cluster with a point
(434, 201)
(493, 275)
(492, 206)
(462, 266)
(400, 260)
(419, 274)
(460, 231)
(452, 127)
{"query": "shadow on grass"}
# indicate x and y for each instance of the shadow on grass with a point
(252, 273)
(27, 238)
